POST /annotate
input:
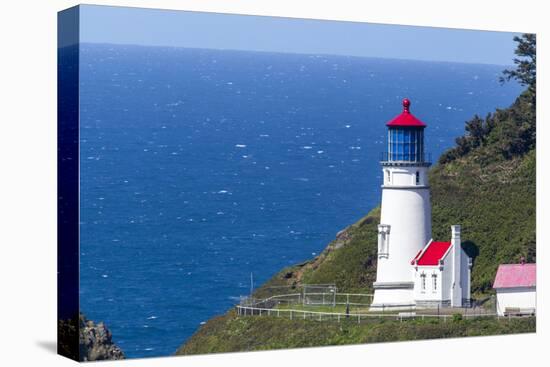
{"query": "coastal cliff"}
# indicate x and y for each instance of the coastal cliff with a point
(486, 183)
(94, 340)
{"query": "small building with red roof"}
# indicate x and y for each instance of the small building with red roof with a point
(515, 285)
(441, 273)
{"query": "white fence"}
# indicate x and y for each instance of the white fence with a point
(311, 299)
(336, 316)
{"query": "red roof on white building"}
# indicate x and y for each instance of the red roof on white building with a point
(516, 275)
(406, 118)
(430, 255)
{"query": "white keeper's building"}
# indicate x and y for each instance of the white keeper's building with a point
(516, 288)
(414, 270)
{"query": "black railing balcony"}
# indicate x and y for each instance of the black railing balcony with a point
(403, 158)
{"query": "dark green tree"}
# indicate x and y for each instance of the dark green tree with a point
(526, 62)
(476, 131)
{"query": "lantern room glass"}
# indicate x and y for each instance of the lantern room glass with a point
(406, 144)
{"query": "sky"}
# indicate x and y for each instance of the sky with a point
(155, 27)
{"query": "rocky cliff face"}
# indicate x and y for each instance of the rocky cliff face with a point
(95, 342)
(83, 340)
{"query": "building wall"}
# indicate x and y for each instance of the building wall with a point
(465, 277)
(524, 297)
(447, 277)
(429, 294)
(405, 176)
(393, 299)
(406, 209)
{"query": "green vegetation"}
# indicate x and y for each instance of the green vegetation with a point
(487, 183)
(229, 333)
(508, 133)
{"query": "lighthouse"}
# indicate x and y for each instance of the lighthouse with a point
(405, 219)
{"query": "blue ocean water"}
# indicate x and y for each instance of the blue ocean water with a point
(199, 167)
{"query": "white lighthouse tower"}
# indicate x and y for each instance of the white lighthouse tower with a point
(405, 221)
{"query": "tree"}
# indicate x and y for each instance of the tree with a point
(476, 130)
(526, 71)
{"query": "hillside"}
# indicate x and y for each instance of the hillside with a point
(487, 183)
(229, 333)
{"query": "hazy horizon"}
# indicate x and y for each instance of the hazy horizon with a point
(190, 29)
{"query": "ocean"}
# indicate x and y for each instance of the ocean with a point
(199, 167)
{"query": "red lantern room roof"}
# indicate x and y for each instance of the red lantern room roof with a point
(406, 118)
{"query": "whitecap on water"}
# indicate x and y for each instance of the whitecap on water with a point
(152, 317)
(307, 147)
(240, 145)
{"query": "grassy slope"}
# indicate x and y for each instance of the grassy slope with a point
(229, 333)
(491, 196)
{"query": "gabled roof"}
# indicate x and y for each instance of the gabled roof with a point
(431, 254)
(516, 275)
(406, 118)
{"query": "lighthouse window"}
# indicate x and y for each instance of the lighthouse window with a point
(417, 177)
(434, 281)
(388, 176)
(405, 144)
(423, 281)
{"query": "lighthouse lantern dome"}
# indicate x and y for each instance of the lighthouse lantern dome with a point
(405, 137)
